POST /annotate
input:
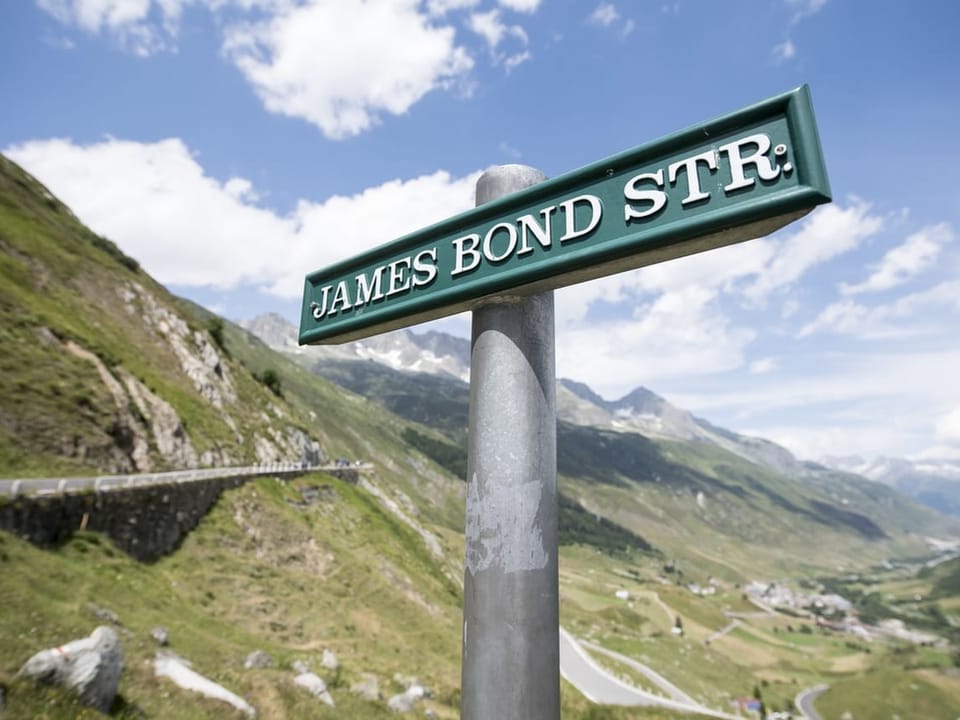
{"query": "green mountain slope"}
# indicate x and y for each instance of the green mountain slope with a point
(102, 370)
(691, 499)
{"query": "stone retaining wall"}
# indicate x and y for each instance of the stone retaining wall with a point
(145, 522)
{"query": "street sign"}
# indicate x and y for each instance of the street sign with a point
(732, 179)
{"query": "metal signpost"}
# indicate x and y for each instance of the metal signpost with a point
(732, 179)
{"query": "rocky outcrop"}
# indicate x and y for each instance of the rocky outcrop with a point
(128, 431)
(141, 416)
(169, 436)
(90, 667)
(199, 358)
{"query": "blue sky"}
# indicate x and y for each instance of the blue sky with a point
(232, 146)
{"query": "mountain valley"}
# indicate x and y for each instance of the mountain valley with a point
(667, 521)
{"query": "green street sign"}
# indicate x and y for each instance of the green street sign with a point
(735, 178)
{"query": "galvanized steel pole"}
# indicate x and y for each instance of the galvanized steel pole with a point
(511, 656)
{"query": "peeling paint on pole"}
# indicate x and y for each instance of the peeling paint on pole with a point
(503, 530)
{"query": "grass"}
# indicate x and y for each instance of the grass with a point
(917, 694)
(258, 573)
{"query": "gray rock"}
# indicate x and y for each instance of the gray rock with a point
(368, 687)
(258, 659)
(330, 660)
(315, 685)
(89, 667)
(104, 614)
(401, 703)
(300, 667)
(161, 635)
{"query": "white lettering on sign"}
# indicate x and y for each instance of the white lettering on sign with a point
(581, 216)
(399, 276)
(541, 233)
(656, 198)
(691, 166)
(646, 194)
(731, 168)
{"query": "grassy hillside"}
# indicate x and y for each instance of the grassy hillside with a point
(264, 570)
(100, 370)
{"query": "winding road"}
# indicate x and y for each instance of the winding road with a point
(599, 686)
(805, 698)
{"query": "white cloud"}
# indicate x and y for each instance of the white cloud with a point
(127, 21)
(526, 6)
(157, 203)
(805, 8)
(948, 426)
(604, 15)
(903, 318)
(938, 452)
(441, 7)
(814, 442)
(841, 403)
(905, 261)
(830, 231)
(370, 218)
(512, 61)
(491, 28)
(784, 51)
(240, 189)
(762, 366)
(339, 65)
(94, 15)
(679, 333)
(801, 9)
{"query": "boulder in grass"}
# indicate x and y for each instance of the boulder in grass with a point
(402, 703)
(315, 685)
(330, 661)
(258, 659)
(89, 668)
(174, 667)
(161, 635)
(368, 687)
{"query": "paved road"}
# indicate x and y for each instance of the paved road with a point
(656, 678)
(599, 686)
(50, 486)
(805, 698)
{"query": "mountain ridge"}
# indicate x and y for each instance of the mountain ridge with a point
(437, 353)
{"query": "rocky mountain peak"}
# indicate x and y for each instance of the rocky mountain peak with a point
(274, 330)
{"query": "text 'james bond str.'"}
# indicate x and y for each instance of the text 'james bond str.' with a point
(732, 179)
